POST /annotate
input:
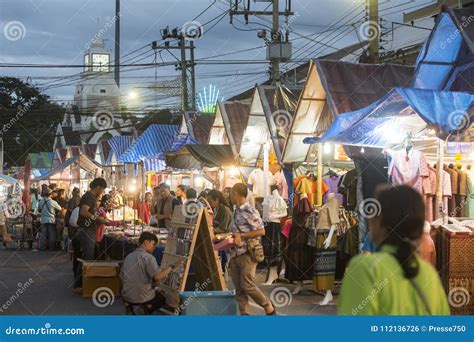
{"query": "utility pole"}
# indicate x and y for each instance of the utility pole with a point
(183, 65)
(117, 43)
(276, 38)
(277, 50)
(184, 76)
(193, 76)
(374, 42)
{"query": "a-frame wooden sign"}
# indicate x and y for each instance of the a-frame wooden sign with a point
(190, 238)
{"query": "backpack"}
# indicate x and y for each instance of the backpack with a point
(74, 217)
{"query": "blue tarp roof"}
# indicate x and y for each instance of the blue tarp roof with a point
(157, 163)
(448, 47)
(402, 110)
(118, 146)
(153, 142)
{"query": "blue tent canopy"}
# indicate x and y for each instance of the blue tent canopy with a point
(118, 146)
(157, 163)
(153, 142)
(402, 110)
(448, 48)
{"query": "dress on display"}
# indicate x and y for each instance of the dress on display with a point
(325, 258)
(470, 193)
(274, 209)
(280, 182)
(256, 179)
(299, 260)
(462, 193)
(454, 189)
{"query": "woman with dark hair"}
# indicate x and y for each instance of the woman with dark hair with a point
(222, 211)
(394, 280)
(105, 206)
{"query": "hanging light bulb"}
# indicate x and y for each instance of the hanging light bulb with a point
(362, 149)
(326, 148)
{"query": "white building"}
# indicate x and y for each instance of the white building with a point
(96, 113)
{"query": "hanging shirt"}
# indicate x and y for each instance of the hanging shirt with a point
(332, 182)
(256, 178)
(408, 169)
(274, 208)
(348, 187)
(280, 181)
(470, 194)
(309, 187)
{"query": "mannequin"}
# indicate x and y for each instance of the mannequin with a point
(326, 242)
(274, 209)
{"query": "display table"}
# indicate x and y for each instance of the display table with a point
(117, 244)
(455, 255)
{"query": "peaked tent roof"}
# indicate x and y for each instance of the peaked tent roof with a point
(334, 87)
(298, 74)
(83, 161)
(270, 115)
(449, 46)
(402, 111)
(153, 142)
(118, 146)
(199, 125)
(229, 124)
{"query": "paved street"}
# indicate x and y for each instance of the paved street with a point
(49, 291)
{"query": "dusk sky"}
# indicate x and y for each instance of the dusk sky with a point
(58, 32)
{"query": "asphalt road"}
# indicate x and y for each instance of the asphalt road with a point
(40, 283)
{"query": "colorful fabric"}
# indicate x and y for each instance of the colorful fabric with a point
(324, 261)
(380, 277)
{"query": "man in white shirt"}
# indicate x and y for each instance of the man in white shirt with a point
(47, 208)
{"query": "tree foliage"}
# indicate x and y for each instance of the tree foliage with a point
(28, 120)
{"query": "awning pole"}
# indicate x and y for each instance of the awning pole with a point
(319, 181)
(439, 180)
(266, 186)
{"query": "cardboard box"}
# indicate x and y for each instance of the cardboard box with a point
(96, 274)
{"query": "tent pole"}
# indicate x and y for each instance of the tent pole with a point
(439, 179)
(319, 181)
(266, 185)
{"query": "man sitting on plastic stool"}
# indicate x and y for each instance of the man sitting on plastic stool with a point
(138, 273)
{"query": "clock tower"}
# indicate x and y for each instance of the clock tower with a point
(97, 110)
